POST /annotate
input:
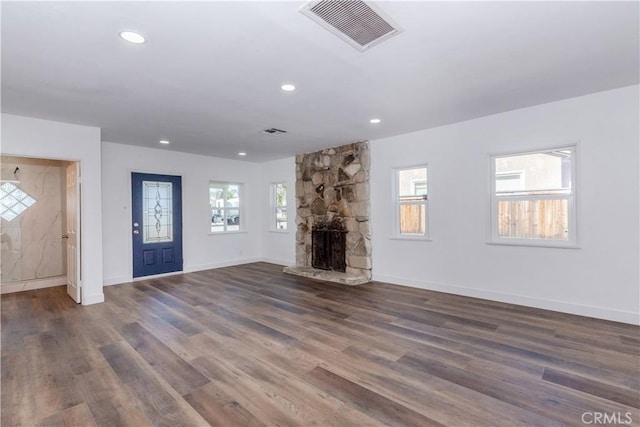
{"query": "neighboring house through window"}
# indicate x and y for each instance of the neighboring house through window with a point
(225, 200)
(509, 181)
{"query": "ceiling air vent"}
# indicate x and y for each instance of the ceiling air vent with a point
(361, 24)
(273, 131)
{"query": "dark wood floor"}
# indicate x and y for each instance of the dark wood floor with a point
(249, 345)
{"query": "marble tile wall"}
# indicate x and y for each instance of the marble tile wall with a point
(31, 244)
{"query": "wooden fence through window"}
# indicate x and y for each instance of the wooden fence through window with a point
(537, 219)
(541, 219)
(413, 219)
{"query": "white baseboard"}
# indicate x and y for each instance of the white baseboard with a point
(201, 267)
(116, 280)
(92, 299)
(278, 261)
(29, 285)
(120, 280)
(547, 304)
(561, 306)
(187, 269)
(156, 276)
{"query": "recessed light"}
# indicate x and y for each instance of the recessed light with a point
(242, 153)
(132, 37)
(165, 142)
(288, 88)
(375, 121)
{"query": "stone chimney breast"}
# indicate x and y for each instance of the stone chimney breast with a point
(332, 193)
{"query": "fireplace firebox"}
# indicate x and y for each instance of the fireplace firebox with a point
(328, 249)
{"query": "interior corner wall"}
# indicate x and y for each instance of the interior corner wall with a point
(201, 249)
(28, 137)
(278, 247)
(600, 279)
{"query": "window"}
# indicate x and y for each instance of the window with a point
(279, 206)
(411, 202)
(13, 201)
(533, 199)
(226, 207)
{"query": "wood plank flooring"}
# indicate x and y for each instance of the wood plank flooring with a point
(251, 346)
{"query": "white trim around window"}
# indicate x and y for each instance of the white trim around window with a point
(278, 215)
(410, 207)
(226, 207)
(542, 210)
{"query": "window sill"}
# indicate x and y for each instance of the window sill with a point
(279, 231)
(534, 245)
(221, 233)
(415, 238)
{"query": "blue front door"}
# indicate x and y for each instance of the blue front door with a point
(156, 223)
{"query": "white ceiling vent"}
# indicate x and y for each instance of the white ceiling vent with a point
(361, 24)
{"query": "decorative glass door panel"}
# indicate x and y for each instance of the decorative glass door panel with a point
(157, 218)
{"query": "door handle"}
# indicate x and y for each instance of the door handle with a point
(65, 236)
(136, 232)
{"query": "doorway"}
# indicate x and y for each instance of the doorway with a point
(39, 202)
(156, 223)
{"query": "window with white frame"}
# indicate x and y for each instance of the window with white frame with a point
(410, 201)
(226, 206)
(279, 206)
(533, 198)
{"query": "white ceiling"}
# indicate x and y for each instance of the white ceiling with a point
(209, 77)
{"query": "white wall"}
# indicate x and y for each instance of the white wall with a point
(23, 136)
(279, 247)
(601, 279)
(201, 250)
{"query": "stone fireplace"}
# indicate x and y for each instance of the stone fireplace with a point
(333, 237)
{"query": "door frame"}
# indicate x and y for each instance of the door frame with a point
(130, 216)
